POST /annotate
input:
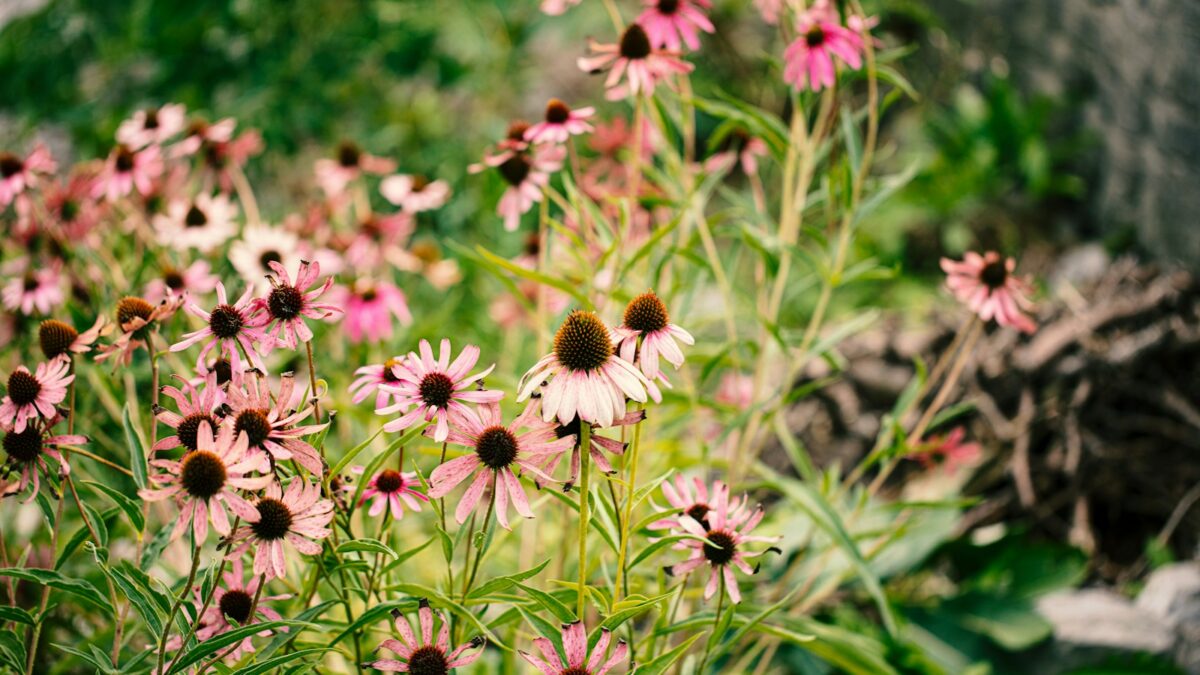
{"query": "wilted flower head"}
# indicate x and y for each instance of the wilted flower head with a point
(136, 318)
(288, 304)
(987, 286)
(271, 424)
(646, 333)
(59, 338)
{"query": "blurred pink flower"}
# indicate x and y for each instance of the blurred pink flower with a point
(414, 193)
(525, 170)
(17, 174)
(126, 169)
(987, 286)
(371, 307)
(333, 175)
(634, 59)
(808, 61)
(196, 279)
(203, 223)
(259, 246)
(948, 451)
(670, 24)
(560, 123)
(152, 126)
(556, 7)
(37, 288)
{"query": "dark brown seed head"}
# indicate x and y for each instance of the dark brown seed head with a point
(389, 480)
(10, 164)
(56, 337)
(151, 118)
(202, 474)
(994, 273)
(428, 660)
(635, 44)
(497, 447)
(815, 37)
(516, 130)
(699, 513)
(236, 605)
(225, 321)
(195, 217)
(723, 551)
(189, 429)
(388, 375)
(515, 169)
(668, 6)
(25, 446)
(436, 390)
(130, 308)
(269, 257)
(582, 342)
(173, 279)
(285, 302)
(274, 519)
(348, 154)
(646, 313)
(23, 387)
(124, 160)
(557, 112)
(256, 425)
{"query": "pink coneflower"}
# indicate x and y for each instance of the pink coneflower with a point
(33, 395)
(583, 375)
(37, 288)
(598, 446)
(200, 133)
(436, 388)
(371, 307)
(576, 652)
(987, 286)
(556, 7)
(260, 246)
(379, 237)
(136, 318)
(372, 378)
(26, 451)
(205, 482)
(670, 24)
(204, 223)
(197, 407)
(233, 329)
(727, 532)
(297, 515)
(735, 390)
(645, 334)
(222, 159)
(288, 304)
(126, 169)
(391, 489)
(525, 170)
(692, 500)
(425, 260)
(59, 338)
(497, 449)
(560, 123)
(808, 61)
(333, 175)
(17, 174)
(414, 193)
(634, 59)
(425, 656)
(73, 210)
(196, 279)
(948, 452)
(271, 425)
(152, 126)
(230, 608)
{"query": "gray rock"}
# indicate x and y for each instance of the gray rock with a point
(1172, 593)
(1091, 622)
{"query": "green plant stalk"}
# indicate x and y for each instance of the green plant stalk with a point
(622, 581)
(482, 548)
(585, 444)
(716, 625)
(237, 521)
(162, 640)
(141, 538)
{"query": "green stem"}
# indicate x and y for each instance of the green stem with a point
(713, 639)
(482, 548)
(622, 583)
(585, 443)
(187, 587)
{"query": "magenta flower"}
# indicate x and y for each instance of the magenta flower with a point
(424, 655)
(645, 334)
(288, 304)
(720, 543)
(37, 288)
(371, 307)
(229, 608)
(808, 61)
(497, 449)
(196, 279)
(575, 644)
(414, 193)
(26, 451)
(34, 395)
(987, 286)
(634, 59)
(333, 175)
(205, 482)
(670, 24)
(16, 174)
(58, 338)
(298, 516)
(197, 407)
(136, 318)
(436, 389)
(526, 170)
(560, 123)
(391, 489)
(126, 169)
(152, 126)
(233, 329)
(583, 375)
(271, 424)
(693, 501)
(948, 451)
(372, 378)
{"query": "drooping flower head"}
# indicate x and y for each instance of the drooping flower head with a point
(560, 123)
(152, 126)
(577, 658)
(525, 169)
(232, 329)
(288, 304)
(646, 333)
(26, 451)
(271, 425)
(17, 174)
(583, 375)
(298, 516)
(987, 286)
(38, 288)
(230, 607)
(203, 223)
(205, 481)
(414, 193)
(197, 406)
(808, 61)
(635, 60)
(195, 279)
(392, 490)
(30, 396)
(435, 389)
(721, 543)
(671, 24)
(424, 656)
(136, 318)
(127, 169)
(497, 450)
(59, 338)
(371, 307)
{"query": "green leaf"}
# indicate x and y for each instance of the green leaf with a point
(551, 603)
(12, 651)
(151, 604)
(83, 534)
(627, 609)
(659, 545)
(215, 644)
(15, 614)
(79, 587)
(401, 557)
(501, 583)
(663, 662)
(564, 286)
(137, 446)
(123, 501)
(543, 627)
(367, 546)
(392, 447)
(267, 665)
(352, 453)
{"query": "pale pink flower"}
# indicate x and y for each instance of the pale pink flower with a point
(414, 193)
(736, 390)
(74, 213)
(436, 388)
(372, 378)
(425, 655)
(127, 169)
(287, 305)
(17, 175)
(371, 307)
(577, 659)
(987, 286)
(233, 329)
(271, 424)
(557, 7)
(645, 334)
(721, 544)
(598, 446)
(496, 450)
(770, 10)
(670, 24)
(58, 338)
(37, 288)
(223, 158)
(425, 259)
(949, 452)
(260, 246)
(560, 123)
(583, 375)
(152, 126)
(808, 61)
(392, 490)
(200, 133)
(30, 396)
(298, 516)
(692, 499)
(197, 407)
(333, 175)
(136, 318)
(526, 170)
(204, 223)
(196, 279)
(26, 452)
(205, 481)
(634, 59)
(230, 608)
